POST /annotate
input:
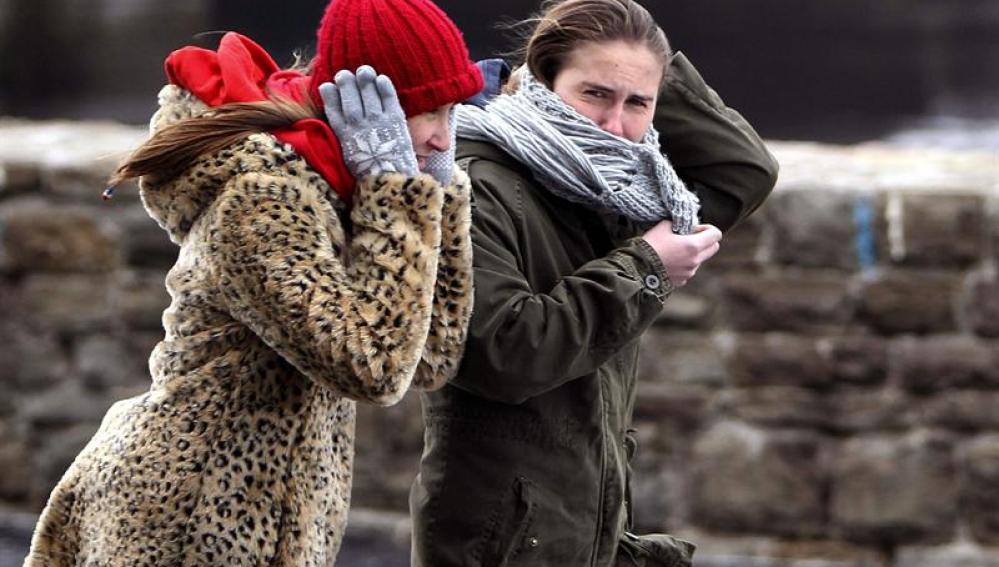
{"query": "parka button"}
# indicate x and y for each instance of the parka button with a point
(533, 542)
(652, 281)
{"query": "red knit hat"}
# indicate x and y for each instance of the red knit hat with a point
(411, 41)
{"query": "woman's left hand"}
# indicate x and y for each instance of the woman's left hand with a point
(365, 114)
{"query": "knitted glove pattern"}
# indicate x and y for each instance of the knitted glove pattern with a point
(364, 111)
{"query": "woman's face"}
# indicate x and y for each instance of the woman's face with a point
(429, 132)
(615, 84)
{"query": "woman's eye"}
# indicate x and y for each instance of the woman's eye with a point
(597, 94)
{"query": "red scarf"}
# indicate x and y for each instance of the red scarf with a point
(242, 71)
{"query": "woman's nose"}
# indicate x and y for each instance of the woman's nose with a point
(441, 139)
(612, 122)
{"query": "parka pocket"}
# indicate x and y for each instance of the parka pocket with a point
(508, 531)
(654, 550)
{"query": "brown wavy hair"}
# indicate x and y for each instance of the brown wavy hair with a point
(172, 150)
(564, 25)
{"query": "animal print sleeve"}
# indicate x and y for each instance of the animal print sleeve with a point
(452, 304)
(354, 320)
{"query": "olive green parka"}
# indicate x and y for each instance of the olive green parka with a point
(527, 448)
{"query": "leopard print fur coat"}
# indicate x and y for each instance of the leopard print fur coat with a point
(286, 308)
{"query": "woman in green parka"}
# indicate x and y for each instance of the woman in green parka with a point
(584, 221)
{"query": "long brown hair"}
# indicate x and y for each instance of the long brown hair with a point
(563, 25)
(172, 150)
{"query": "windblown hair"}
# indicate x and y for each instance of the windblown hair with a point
(172, 150)
(564, 25)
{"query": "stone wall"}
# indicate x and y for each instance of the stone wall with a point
(825, 392)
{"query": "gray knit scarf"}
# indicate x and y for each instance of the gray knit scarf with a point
(571, 156)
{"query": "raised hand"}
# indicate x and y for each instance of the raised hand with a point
(364, 111)
(683, 254)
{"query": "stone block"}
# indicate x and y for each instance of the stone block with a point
(59, 144)
(65, 303)
(140, 297)
(981, 308)
(75, 159)
(29, 360)
(687, 310)
(979, 460)
(9, 297)
(992, 225)
(7, 268)
(140, 344)
(960, 410)
(57, 239)
(53, 456)
(778, 406)
(388, 445)
(18, 177)
(814, 228)
(727, 550)
(145, 244)
(16, 527)
(779, 358)
(381, 528)
(742, 247)
(66, 405)
(103, 363)
(659, 488)
(14, 454)
(962, 554)
(668, 356)
(791, 301)
(909, 302)
(83, 182)
(748, 480)
(856, 359)
(11, 207)
(693, 306)
(943, 230)
(944, 362)
(897, 489)
(857, 409)
(8, 404)
(671, 414)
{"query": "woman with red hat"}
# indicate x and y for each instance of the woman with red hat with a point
(324, 259)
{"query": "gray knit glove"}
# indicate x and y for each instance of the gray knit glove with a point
(441, 164)
(365, 114)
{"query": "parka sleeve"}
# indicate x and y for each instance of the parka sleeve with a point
(356, 326)
(524, 342)
(712, 147)
(452, 304)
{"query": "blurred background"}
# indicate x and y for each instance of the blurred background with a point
(824, 394)
(842, 71)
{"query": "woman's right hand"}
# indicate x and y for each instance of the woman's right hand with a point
(364, 111)
(683, 254)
